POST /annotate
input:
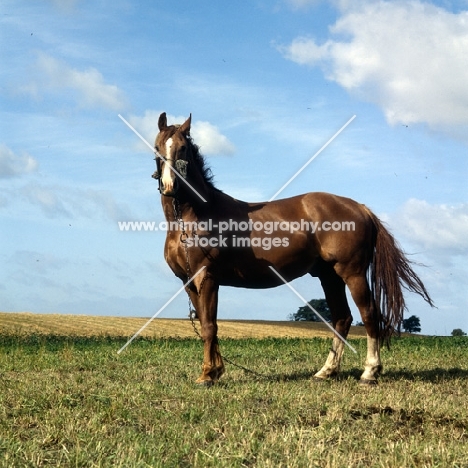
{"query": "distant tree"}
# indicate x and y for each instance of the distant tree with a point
(304, 313)
(359, 324)
(412, 324)
(458, 332)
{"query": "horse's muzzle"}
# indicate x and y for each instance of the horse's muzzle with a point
(181, 172)
(169, 192)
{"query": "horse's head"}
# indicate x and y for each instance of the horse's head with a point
(173, 145)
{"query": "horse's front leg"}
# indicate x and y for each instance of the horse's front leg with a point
(205, 300)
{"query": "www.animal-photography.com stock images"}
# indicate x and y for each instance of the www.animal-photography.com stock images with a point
(234, 234)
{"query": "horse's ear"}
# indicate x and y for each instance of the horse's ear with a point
(185, 127)
(162, 122)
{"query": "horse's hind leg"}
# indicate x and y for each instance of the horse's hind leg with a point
(335, 294)
(362, 296)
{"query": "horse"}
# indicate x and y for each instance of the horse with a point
(216, 240)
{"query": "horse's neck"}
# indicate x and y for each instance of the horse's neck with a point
(190, 204)
(168, 208)
(193, 209)
(186, 209)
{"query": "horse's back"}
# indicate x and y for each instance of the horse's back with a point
(338, 229)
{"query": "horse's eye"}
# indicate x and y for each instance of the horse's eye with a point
(156, 148)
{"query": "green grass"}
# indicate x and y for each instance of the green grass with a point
(76, 402)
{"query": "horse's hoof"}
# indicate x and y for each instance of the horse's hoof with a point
(319, 379)
(368, 382)
(205, 383)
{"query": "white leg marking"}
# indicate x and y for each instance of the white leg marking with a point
(373, 365)
(332, 364)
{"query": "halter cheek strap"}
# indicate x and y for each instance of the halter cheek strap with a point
(157, 173)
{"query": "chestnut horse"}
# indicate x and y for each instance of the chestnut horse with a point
(224, 236)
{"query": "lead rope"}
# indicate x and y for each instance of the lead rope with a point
(192, 312)
(183, 239)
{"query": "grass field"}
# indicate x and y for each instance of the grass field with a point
(73, 401)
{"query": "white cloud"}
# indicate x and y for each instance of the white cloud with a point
(434, 227)
(146, 125)
(437, 236)
(57, 201)
(407, 57)
(89, 85)
(210, 140)
(207, 136)
(49, 200)
(13, 165)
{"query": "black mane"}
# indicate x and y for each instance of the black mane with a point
(201, 164)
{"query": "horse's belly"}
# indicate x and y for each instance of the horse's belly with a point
(266, 269)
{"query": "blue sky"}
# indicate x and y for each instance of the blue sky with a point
(267, 83)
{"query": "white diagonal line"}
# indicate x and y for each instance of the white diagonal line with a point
(137, 134)
(312, 158)
(158, 155)
(161, 309)
(312, 309)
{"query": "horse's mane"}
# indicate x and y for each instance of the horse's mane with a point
(201, 164)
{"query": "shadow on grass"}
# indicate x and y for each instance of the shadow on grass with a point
(427, 375)
(436, 375)
(250, 374)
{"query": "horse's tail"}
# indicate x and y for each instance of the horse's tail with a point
(389, 272)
